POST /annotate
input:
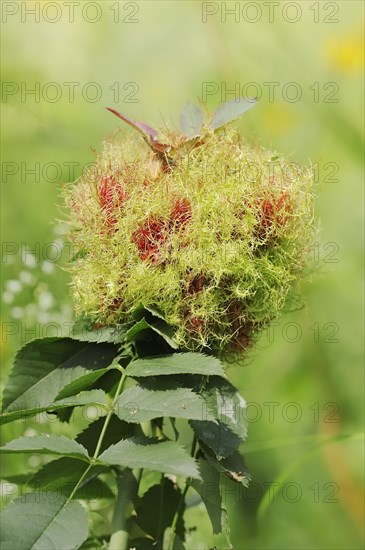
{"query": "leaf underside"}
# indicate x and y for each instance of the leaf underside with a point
(229, 111)
(191, 120)
(48, 521)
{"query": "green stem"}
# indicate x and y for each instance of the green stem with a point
(79, 482)
(101, 436)
(181, 502)
(147, 428)
(109, 416)
(119, 538)
(160, 516)
(139, 474)
(177, 516)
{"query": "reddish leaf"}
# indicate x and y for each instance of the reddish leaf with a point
(149, 134)
(144, 129)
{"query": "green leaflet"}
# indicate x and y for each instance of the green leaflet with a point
(162, 456)
(42, 368)
(154, 520)
(62, 475)
(93, 397)
(50, 444)
(85, 331)
(38, 521)
(83, 382)
(162, 329)
(233, 466)
(209, 490)
(138, 404)
(177, 363)
(117, 430)
(225, 435)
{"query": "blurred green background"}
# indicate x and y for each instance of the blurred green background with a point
(304, 381)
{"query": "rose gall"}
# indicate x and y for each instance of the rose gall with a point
(167, 247)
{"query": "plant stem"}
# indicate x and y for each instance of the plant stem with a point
(139, 474)
(177, 516)
(109, 415)
(161, 504)
(181, 502)
(101, 436)
(147, 428)
(119, 538)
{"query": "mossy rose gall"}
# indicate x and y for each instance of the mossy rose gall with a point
(185, 242)
(203, 226)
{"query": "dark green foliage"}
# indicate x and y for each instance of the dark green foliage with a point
(58, 374)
